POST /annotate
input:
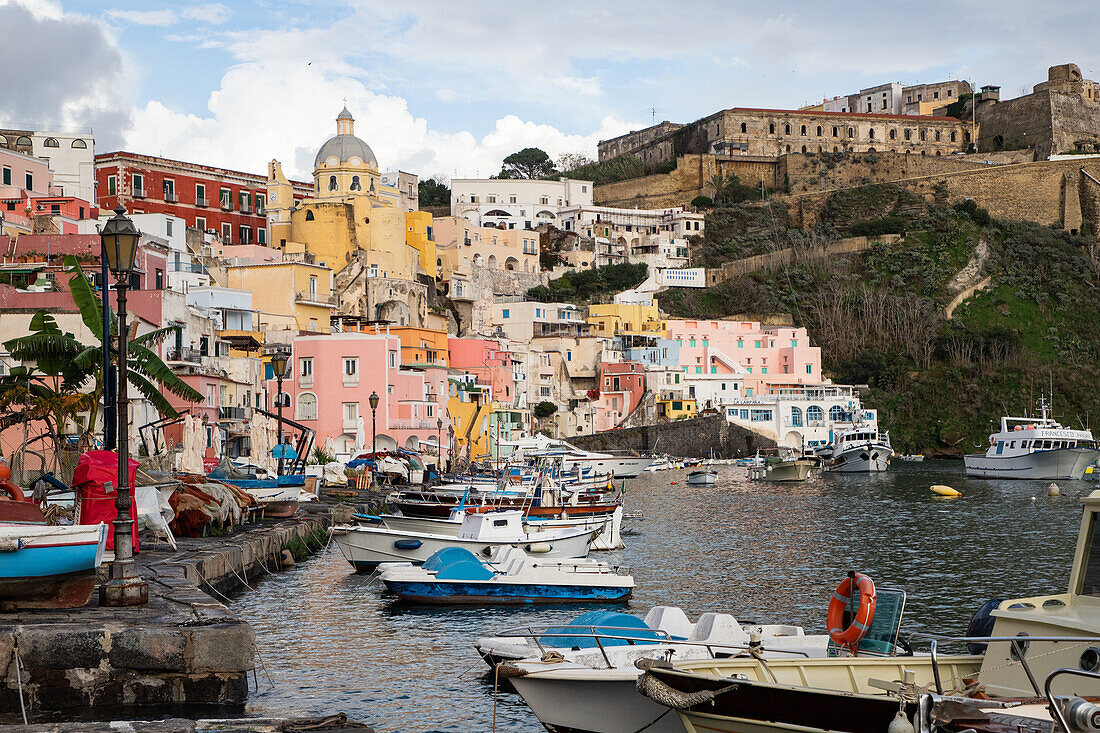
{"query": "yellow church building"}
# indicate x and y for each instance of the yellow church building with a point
(383, 257)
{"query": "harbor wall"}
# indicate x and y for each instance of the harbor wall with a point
(183, 648)
(694, 438)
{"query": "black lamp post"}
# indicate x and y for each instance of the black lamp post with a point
(279, 360)
(124, 587)
(373, 400)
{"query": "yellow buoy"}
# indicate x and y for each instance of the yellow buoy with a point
(945, 490)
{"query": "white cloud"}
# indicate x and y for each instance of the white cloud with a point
(211, 14)
(247, 126)
(144, 17)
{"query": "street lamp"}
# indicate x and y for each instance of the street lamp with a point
(373, 400)
(439, 446)
(124, 587)
(279, 359)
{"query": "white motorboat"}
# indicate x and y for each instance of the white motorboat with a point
(860, 449)
(916, 458)
(705, 477)
(365, 547)
(508, 576)
(610, 535)
(594, 686)
(1034, 448)
(622, 466)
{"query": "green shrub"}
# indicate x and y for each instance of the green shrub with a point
(580, 286)
(976, 213)
(876, 227)
(545, 409)
(702, 202)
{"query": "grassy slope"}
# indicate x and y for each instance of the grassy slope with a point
(1039, 324)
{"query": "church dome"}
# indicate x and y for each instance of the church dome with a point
(345, 147)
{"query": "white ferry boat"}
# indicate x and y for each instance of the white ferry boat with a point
(862, 448)
(1034, 448)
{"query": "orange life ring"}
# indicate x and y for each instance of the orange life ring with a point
(12, 490)
(849, 637)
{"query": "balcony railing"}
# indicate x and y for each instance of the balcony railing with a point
(232, 413)
(184, 354)
(227, 205)
(202, 201)
(260, 210)
(413, 424)
(316, 298)
(246, 208)
(171, 197)
(350, 426)
(139, 193)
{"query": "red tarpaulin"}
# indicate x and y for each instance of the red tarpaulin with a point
(93, 471)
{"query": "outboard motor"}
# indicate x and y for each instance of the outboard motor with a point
(982, 625)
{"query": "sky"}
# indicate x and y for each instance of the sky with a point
(448, 88)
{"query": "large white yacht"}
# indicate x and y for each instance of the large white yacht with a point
(1034, 448)
(863, 448)
(541, 446)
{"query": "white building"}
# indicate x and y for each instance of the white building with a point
(229, 308)
(717, 382)
(407, 186)
(71, 156)
(517, 203)
(524, 320)
(801, 416)
(657, 237)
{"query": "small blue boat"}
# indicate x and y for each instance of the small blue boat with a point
(46, 566)
(509, 576)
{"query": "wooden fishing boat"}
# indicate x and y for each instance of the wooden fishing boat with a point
(46, 566)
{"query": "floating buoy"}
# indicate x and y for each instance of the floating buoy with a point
(671, 483)
(1053, 490)
(944, 490)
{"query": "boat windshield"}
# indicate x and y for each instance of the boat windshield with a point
(1090, 573)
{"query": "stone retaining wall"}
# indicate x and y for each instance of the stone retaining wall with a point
(184, 647)
(694, 438)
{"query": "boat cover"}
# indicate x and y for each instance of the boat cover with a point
(94, 470)
(622, 624)
(458, 563)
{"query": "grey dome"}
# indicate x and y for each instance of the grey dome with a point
(344, 148)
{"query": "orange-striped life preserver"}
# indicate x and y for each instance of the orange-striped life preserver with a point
(849, 637)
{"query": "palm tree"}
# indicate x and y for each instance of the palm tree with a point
(55, 388)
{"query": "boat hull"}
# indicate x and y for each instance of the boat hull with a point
(873, 458)
(702, 478)
(587, 704)
(797, 470)
(49, 566)
(610, 538)
(503, 593)
(1049, 465)
(366, 547)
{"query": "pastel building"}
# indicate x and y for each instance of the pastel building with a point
(622, 386)
(516, 203)
(462, 246)
(766, 354)
(69, 152)
(334, 376)
(488, 361)
(525, 320)
(290, 297)
(801, 416)
(626, 319)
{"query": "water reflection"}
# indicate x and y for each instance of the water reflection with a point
(761, 551)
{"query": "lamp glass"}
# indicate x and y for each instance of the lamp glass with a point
(120, 242)
(278, 363)
(373, 399)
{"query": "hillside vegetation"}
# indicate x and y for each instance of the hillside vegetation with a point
(879, 316)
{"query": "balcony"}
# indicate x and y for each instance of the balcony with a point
(202, 201)
(171, 197)
(350, 426)
(260, 210)
(316, 299)
(232, 413)
(139, 193)
(227, 205)
(186, 355)
(246, 208)
(413, 424)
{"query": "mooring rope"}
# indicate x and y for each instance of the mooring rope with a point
(19, 680)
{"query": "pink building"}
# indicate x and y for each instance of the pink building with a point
(622, 386)
(781, 355)
(22, 177)
(489, 361)
(333, 377)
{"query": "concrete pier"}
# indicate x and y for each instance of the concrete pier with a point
(184, 648)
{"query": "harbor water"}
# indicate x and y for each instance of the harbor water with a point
(764, 552)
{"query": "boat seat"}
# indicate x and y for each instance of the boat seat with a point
(781, 630)
(670, 619)
(718, 628)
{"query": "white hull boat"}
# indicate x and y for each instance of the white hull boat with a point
(1034, 448)
(861, 449)
(595, 688)
(609, 525)
(366, 547)
(703, 478)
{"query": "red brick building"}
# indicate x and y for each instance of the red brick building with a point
(230, 203)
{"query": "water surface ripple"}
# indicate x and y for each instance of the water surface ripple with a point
(763, 552)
